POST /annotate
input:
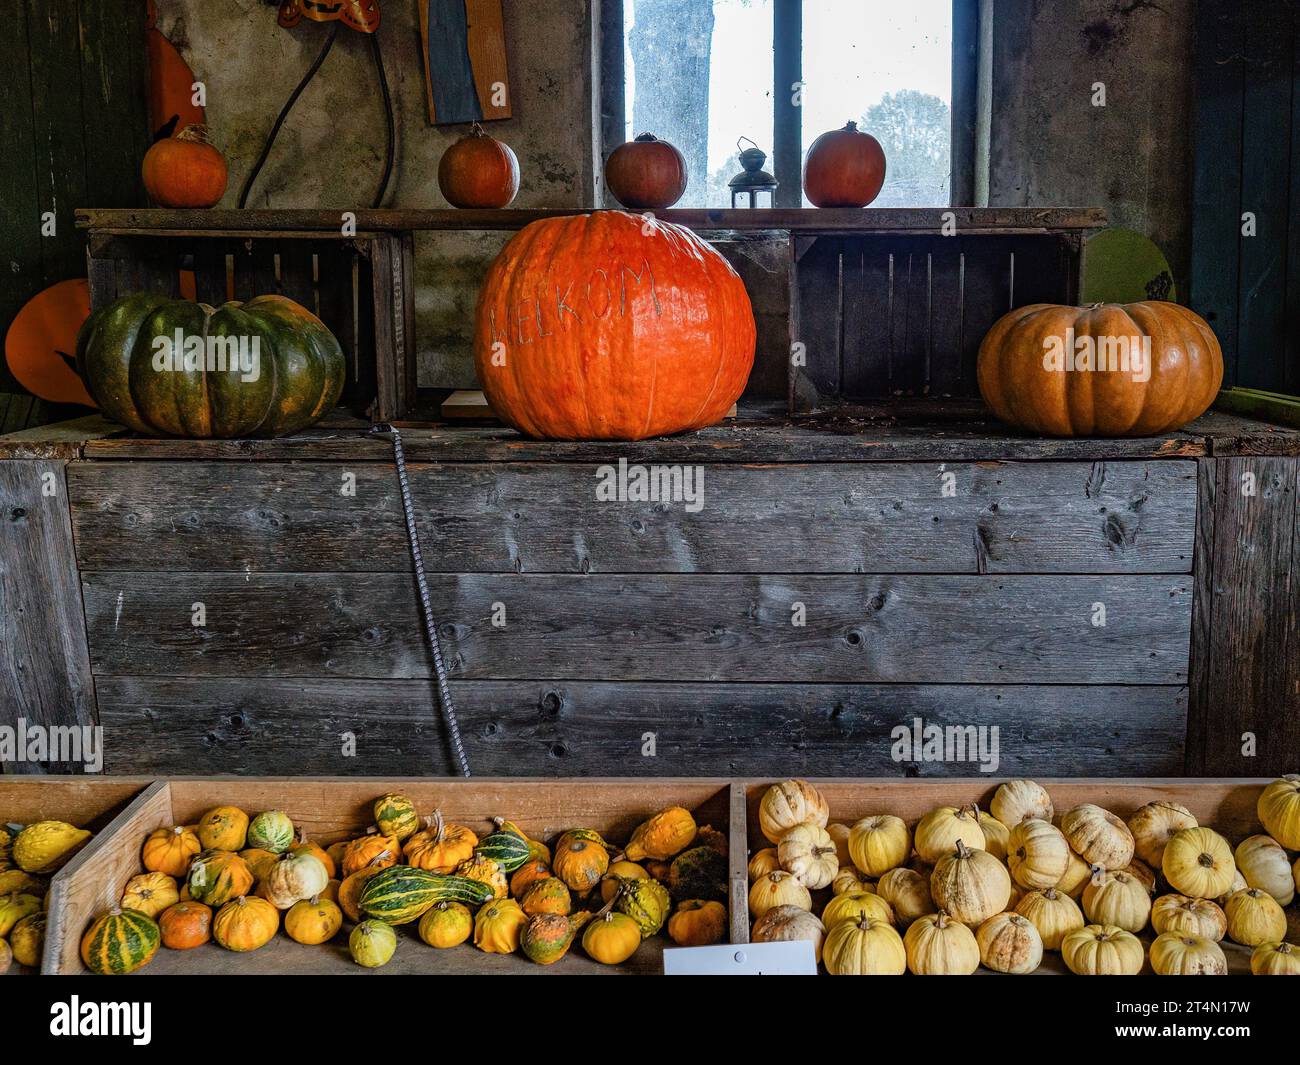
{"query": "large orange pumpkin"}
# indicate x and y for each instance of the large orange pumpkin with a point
(610, 326)
(844, 168)
(1083, 371)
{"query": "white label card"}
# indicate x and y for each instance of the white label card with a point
(743, 959)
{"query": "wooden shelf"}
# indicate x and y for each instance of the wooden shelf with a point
(810, 220)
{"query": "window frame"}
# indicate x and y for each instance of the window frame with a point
(968, 16)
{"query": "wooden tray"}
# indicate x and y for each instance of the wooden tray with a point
(84, 801)
(330, 809)
(1228, 806)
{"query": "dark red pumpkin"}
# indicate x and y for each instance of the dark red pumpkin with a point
(611, 326)
(646, 174)
(844, 168)
(479, 171)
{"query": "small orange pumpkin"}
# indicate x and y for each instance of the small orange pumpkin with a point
(527, 875)
(372, 849)
(580, 863)
(698, 923)
(439, 847)
(646, 173)
(186, 925)
(479, 171)
(246, 923)
(169, 850)
(185, 170)
(844, 168)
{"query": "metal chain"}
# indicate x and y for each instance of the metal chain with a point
(430, 625)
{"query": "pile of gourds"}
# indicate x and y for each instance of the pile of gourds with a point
(29, 856)
(964, 887)
(232, 879)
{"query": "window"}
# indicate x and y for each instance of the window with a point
(705, 73)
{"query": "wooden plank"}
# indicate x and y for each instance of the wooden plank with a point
(1200, 708)
(867, 339)
(330, 809)
(1254, 670)
(986, 296)
(552, 728)
(927, 220)
(1218, 68)
(114, 112)
(895, 628)
(820, 286)
(44, 668)
(62, 440)
(539, 518)
(945, 325)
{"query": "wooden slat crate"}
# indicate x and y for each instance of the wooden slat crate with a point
(361, 287)
(1228, 806)
(84, 801)
(329, 810)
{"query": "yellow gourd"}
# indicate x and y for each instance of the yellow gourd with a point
(807, 852)
(855, 905)
(12, 880)
(446, 924)
(580, 862)
(486, 871)
(313, 921)
(498, 926)
(839, 834)
(1010, 943)
(1275, 959)
(27, 940)
(150, 894)
(1098, 836)
(848, 880)
(1181, 954)
(44, 847)
(879, 843)
(936, 945)
(1021, 800)
(1254, 917)
(1198, 862)
(246, 923)
(1037, 855)
(866, 947)
(1077, 875)
(611, 937)
(996, 835)
(763, 862)
(13, 908)
(1053, 913)
(778, 888)
(1194, 917)
(1102, 950)
(223, 828)
(663, 836)
(908, 894)
(1154, 824)
(971, 885)
(790, 803)
(609, 882)
(1279, 810)
(938, 831)
(1116, 899)
(260, 862)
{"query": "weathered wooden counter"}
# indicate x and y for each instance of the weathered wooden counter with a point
(1114, 606)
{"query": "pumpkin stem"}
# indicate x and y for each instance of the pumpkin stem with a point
(646, 137)
(850, 127)
(963, 851)
(1205, 860)
(1050, 894)
(941, 919)
(197, 133)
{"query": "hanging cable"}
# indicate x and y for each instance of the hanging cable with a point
(430, 625)
(388, 117)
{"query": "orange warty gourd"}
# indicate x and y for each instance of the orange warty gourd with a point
(610, 326)
(646, 173)
(1026, 385)
(478, 171)
(185, 170)
(844, 168)
(186, 925)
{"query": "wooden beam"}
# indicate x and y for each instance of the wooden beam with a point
(787, 119)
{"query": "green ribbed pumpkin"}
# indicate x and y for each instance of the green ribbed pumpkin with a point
(506, 849)
(271, 831)
(699, 873)
(301, 368)
(216, 877)
(401, 894)
(120, 942)
(395, 816)
(646, 901)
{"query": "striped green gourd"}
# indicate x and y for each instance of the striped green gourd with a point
(120, 942)
(271, 831)
(401, 894)
(506, 849)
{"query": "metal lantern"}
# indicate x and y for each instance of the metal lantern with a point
(753, 180)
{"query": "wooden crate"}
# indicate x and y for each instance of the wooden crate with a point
(1228, 806)
(361, 286)
(87, 802)
(331, 809)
